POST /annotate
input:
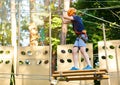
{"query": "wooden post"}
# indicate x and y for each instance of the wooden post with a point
(104, 35)
(117, 64)
(14, 32)
(50, 46)
(64, 26)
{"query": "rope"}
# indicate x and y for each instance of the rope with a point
(22, 74)
(101, 19)
(28, 78)
(113, 7)
(102, 1)
(111, 11)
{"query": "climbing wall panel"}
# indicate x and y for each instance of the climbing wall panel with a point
(111, 54)
(65, 61)
(6, 56)
(33, 65)
(113, 59)
(64, 57)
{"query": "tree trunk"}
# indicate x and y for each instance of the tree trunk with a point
(47, 2)
(33, 34)
(33, 27)
(64, 26)
(32, 10)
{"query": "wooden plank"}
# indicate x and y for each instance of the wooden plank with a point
(87, 78)
(73, 71)
(103, 70)
(83, 78)
(77, 71)
(78, 74)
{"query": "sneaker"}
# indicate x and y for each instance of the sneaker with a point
(88, 67)
(74, 68)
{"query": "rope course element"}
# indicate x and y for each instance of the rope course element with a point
(93, 74)
(102, 1)
(102, 8)
(25, 76)
(110, 10)
(101, 19)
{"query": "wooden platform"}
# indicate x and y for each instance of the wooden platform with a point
(93, 74)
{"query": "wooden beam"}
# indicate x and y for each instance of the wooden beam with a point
(79, 74)
(87, 78)
(77, 71)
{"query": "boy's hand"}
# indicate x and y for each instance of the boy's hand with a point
(84, 31)
(65, 21)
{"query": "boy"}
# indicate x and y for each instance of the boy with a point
(80, 42)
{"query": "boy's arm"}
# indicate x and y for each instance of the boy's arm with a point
(65, 21)
(68, 17)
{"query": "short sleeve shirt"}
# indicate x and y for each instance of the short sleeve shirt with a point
(77, 24)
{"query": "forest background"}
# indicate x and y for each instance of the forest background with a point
(95, 14)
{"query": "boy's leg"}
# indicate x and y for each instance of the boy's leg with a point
(86, 57)
(75, 58)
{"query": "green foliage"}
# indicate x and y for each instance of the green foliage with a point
(55, 42)
(56, 31)
(56, 22)
(5, 34)
(24, 24)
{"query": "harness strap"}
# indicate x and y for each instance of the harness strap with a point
(83, 38)
(82, 32)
